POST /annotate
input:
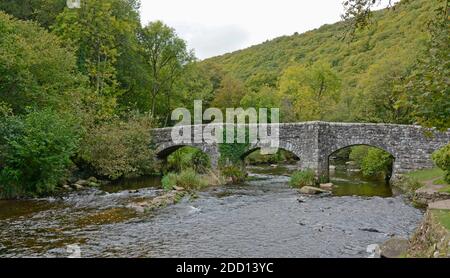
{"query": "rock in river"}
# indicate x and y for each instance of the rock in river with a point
(311, 190)
(327, 186)
(394, 247)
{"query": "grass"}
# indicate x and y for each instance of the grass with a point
(302, 178)
(444, 217)
(445, 189)
(426, 175)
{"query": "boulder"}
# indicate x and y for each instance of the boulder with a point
(66, 187)
(82, 182)
(374, 251)
(394, 248)
(93, 179)
(311, 190)
(178, 188)
(77, 186)
(327, 186)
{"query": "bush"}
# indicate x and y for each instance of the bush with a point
(372, 161)
(377, 162)
(235, 173)
(169, 181)
(358, 153)
(303, 178)
(188, 157)
(120, 148)
(442, 159)
(188, 179)
(201, 162)
(36, 152)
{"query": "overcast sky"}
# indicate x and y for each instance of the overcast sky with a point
(214, 27)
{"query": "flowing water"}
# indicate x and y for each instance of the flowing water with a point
(262, 218)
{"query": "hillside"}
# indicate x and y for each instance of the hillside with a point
(394, 42)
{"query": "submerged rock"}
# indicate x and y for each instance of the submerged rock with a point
(77, 186)
(327, 186)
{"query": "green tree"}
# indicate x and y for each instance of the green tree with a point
(427, 89)
(381, 88)
(442, 159)
(42, 11)
(230, 93)
(315, 90)
(95, 31)
(38, 148)
(166, 56)
(35, 69)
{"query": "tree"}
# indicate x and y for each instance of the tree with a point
(229, 94)
(428, 96)
(42, 11)
(314, 90)
(35, 69)
(427, 88)
(381, 89)
(166, 56)
(442, 159)
(96, 31)
(37, 151)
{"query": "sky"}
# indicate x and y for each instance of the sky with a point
(215, 27)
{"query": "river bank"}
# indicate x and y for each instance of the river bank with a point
(431, 239)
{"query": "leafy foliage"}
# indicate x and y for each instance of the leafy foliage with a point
(188, 179)
(372, 161)
(35, 70)
(442, 160)
(235, 173)
(120, 147)
(37, 150)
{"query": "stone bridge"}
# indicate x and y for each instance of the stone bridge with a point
(314, 142)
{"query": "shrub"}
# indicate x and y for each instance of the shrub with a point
(358, 153)
(235, 173)
(200, 161)
(188, 157)
(372, 161)
(169, 181)
(120, 147)
(442, 159)
(377, 162)
(303, 178)
(188, 179)
(37, 150)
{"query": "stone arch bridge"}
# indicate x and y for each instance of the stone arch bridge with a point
(315, 142)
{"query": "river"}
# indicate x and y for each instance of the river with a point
(262, 218)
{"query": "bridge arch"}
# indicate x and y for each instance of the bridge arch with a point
(390, 171)
(257, 147)
(165, 149)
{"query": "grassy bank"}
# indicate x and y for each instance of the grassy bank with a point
(412, 181)
(432, 238)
